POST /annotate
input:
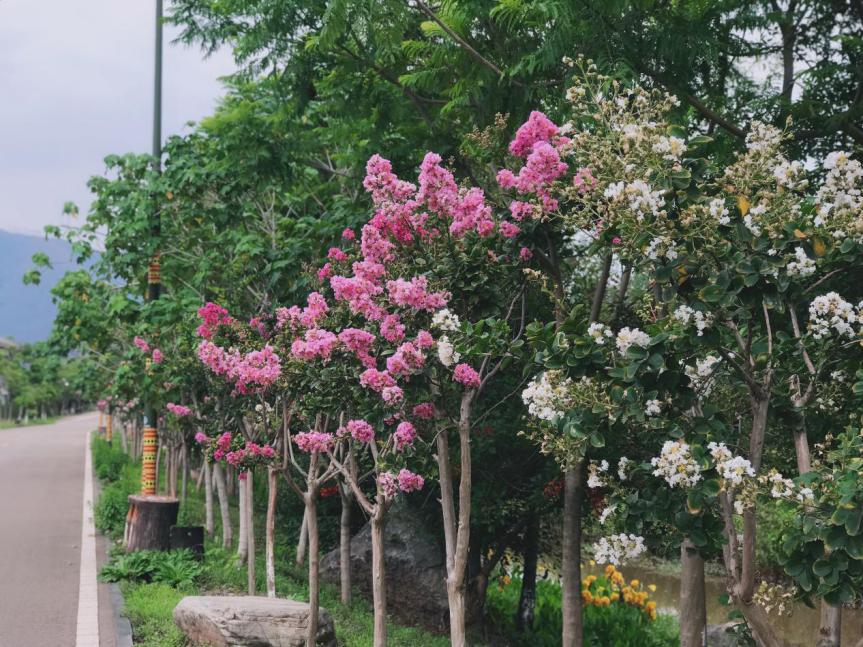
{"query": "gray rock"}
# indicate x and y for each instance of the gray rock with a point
(248, 621)
(719, 636)
(416, 569)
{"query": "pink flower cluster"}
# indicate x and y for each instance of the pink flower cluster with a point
(405, 435)
(424, 411)
(249, 455)
(465, 374)
(223, 446)
(414, 294)
(360, 343)
(178, 410)
(410, 482)
(157, 356)
(314, 441)
(202, 438)
(309, 317)
(360, 430)
(102, 405)
(141, 344)
(392, 328)
(317, 343)
(407, 359)
(212, 316)
(537, 128)
(259, 368)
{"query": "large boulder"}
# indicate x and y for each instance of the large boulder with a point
(223, 620)
(416, 569)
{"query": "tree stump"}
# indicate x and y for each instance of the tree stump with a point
(149, 521)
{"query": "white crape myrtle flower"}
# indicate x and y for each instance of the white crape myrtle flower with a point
(676, 465)
(788, 174)
(639, 197)
(731, 468)
(594, 474)
(719, 211)
(617, 549)
(446, 352)
(671, 148)
(739, 507)
(546, 395)
(701, 375)
(661, 247)
(802, 266)
(752, 219)
(841, 193)
(445, 320)
(599, 332)
(685, 315)
(763, 137)
(631, 337)
(606, 513)
(622, 467)
(652, 408)
(780, 488)
(806, 495)
(829, 313)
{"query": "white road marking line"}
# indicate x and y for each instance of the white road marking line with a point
(88, 592)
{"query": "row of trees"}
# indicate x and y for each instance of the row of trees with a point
(627, 284)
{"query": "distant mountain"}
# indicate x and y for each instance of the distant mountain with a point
(26, 311)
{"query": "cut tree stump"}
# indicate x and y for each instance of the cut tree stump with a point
(149, 521)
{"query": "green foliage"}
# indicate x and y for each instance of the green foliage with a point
(119, 478)
(149, 608)
(613, 625)
(774, 520)
(109, 460)
(176, 568)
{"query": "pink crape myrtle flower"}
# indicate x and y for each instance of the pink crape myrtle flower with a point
(360, 430)
(212, 316)
(405, 435)
(406, 360)
(466, 375)
(410, 482)
(202, 438)
(520, 210)
(388, 485)
(157, 356)
(509, 229)
(348, 234)
(314, 441)
(141, 344)
(392, 395)
(325, 272)
(317, 343)
(414, 294)
(178, 410)
(424, 339)
(392, 328)
(525, 254)
(424, 411)
(537, 128)
(336, 254)
(376, 380)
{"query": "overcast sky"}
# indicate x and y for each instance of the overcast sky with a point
(76, 84)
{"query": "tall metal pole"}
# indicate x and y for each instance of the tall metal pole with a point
(150, 439)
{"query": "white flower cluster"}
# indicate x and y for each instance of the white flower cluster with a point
(806, 495)
(781, 488)
(685, 315)
(638, 196)
(631, 337)
(606, 513)
(546, 394)
(802, 266)
(661, 247)
(652, 408)
(788, 174)
(446, 352)
(752, 219)
(840, 195)
(731, 468)
(671, 148)
(616, 549)
(718, 211)
(701, 375)
(594, 474)
(622, 467)
(599, 332)
(830, 312)
(763, 137)
(676, 465)
(445, 320)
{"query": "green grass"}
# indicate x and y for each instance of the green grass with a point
(35, 422)
(149, 608)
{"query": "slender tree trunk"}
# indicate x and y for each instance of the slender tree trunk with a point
(209, 523)
(184, 460)
(527, 599)
(158, 466)
(573, 617)
(272, 490)
(250, 529)
(243, 542)
(345, 545)
(379, 579)
(224, 507)
(302, 542)
(231, 481)
(314, 583)
(123, 442)
(830, 631)
(693, 606)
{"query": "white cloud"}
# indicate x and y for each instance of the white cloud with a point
(76, 84)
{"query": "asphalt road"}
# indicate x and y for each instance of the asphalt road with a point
(41, 493)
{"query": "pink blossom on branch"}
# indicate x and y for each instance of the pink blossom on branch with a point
(360, 430)
(410, 482)
(405, 435)
(314, 441)
(157, 356)
(537, 128)
(202, 438)
(141, 344)
(466, 375)
(424, 411)
(178, 410)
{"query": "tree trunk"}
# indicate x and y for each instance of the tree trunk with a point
(124, 445)
(830, 630)
(224, 507)
(149, 521)
(693, 609)
(311, 519)
(272, 489)
(345, 545)
(209, 522)
(184, 462)
(302, 542)
(243, 541)
(250, 529)
(527, 599)
(158, 465)
(573, 618)
(379, 584)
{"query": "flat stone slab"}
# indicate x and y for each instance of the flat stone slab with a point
(250, 621)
